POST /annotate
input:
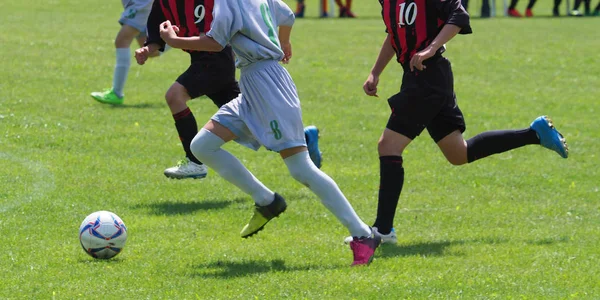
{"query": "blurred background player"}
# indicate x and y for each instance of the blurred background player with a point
(586, 8)
(133, 26)
(345, 10)
(267, 113)
(485, 7)
(513, 12)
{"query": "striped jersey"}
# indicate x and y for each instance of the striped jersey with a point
(414, 24)
(250, 27)
(192, 17)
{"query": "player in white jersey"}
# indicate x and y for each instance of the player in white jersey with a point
(267, 113)
(133, 26)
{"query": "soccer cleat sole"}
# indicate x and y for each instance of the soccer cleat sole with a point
(562, 139)
(261, 228)
(258, 230)
(185, 177)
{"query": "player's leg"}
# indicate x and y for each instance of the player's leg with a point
(597, 10)
(575, 12)
(123, 60)
(300, 9)
(187, 128)
(300, 166)
(349, 12)
(555, 9)
(225, 126)
(512, 9)
(587, 7)
(458, 151)
(529, 11)
(342, 8)
(197, 80)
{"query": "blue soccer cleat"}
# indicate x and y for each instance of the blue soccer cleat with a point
(312, 141)
(550, 137)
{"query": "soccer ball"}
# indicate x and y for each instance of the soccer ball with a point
(102, 235)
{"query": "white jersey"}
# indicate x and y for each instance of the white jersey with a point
(251, 28)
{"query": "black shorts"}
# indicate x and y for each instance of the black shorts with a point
(214, 78)
(426, 100)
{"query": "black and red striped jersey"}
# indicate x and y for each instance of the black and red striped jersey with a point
(192, 17)
(414, 24)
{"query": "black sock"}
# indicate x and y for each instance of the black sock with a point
(576, 5)
(391, 179)
(597, 7)
(556, 5)
(187, 129)
(513, 4)
(586, 5)
(498, 141)
(531, 4)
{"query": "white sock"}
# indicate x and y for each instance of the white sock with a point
(305, 172)
(121, 70)
(206, 146)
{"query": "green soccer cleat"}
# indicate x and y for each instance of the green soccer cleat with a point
(108, 97)
(262, 215)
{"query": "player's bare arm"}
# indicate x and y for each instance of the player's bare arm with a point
(385, 55)
(284, 40)
(446, 34)
(142, 54)
(168, 33)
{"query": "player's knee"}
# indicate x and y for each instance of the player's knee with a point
(387, 148)
(301, 174)
(456, 160)
(202, 146)
(175, 96)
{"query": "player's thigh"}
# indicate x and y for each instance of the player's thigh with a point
(232, 116)
(272, 109)
(176, 97)
(125, 36)
(135, 14)
(392, 143)
(220, 130)
(454, 148)
(228, 91)
(412, 109)
(449, 119)
(210, 78)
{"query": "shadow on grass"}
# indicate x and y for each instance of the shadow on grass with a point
(231, 269)
(549, 241)
(97, 261)
(432, 248)
(182, 208)
(137, 105)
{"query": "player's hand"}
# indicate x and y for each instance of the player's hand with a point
(370, 86)
(417, 60)
(287, 52)
(142, 54)
(168, 32)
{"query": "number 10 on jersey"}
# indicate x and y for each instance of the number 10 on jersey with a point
(407, 15)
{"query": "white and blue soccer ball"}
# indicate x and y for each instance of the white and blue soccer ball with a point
(102, 234)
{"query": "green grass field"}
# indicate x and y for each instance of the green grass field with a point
(523, 224)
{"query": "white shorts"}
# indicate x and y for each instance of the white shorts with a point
(267, 112)
(135, 13)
